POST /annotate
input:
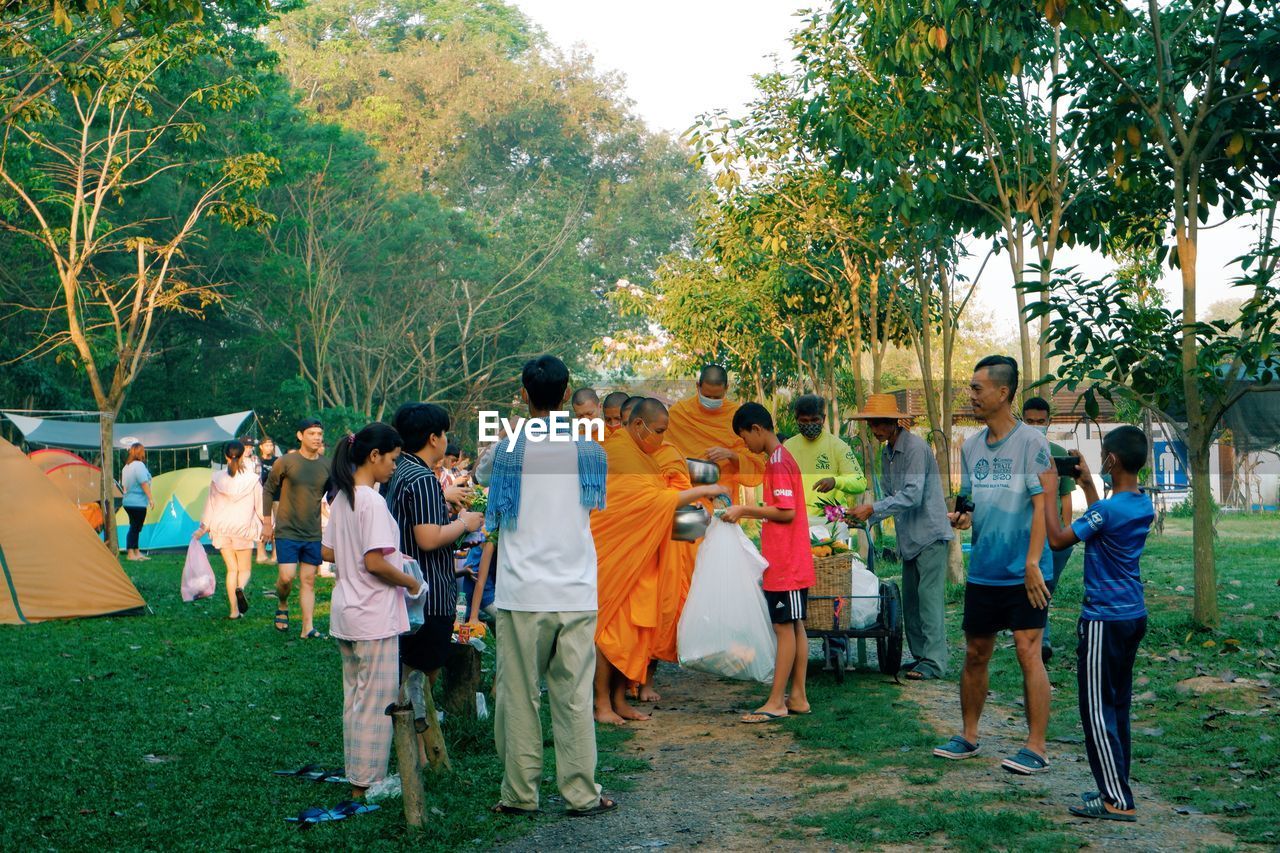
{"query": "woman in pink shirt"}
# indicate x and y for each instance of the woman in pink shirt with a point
(368, 612)
(231, 519)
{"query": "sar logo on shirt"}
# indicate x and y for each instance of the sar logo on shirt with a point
(981, 470)
(822, 463)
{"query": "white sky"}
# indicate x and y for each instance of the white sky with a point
(681, 59)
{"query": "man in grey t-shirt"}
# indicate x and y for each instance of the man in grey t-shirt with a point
(294, 490)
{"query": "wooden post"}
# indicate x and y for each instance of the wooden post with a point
(462, 680)
(433, 737)
(406, 743)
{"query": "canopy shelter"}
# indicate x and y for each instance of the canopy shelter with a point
(52, 565)
(156, 435)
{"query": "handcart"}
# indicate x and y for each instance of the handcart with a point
(829, 611)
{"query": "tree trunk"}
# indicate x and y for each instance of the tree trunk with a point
(106, 446)
(1206, 585)
(1017, 261)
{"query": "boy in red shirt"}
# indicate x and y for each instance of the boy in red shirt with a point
(784, 543)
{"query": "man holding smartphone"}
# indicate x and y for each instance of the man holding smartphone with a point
(1009, 561)
(1037, 415)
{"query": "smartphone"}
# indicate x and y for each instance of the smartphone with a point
(1068, 466)
(963, 504)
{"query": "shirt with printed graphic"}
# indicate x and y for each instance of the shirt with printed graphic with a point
(1001, 479)
(1114, 532)
(785, 546)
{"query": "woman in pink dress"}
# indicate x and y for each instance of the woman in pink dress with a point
(231, 519)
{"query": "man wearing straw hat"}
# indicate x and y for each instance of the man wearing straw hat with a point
(913, 496)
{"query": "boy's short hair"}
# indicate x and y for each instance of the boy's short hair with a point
(1129, 444)
(545, 379)
(417, 422)
(808, 405)
(752, 415)
(1036, 404)
(452, 449)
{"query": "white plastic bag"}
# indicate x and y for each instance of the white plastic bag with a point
(197, 575)
(864, 606)
(725, 628)
(416, 606)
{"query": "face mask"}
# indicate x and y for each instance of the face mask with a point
(708, 403)
(1043, 430)
(810, 431)
(1107, 466)
(651, 442)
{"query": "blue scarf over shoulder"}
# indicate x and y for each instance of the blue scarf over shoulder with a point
(508, 469)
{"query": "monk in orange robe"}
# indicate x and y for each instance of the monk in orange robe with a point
(702, 428)
(675, 571)
(629, 534)
(612, 411)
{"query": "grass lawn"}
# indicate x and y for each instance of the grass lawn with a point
(161, 732)
(1217, 753)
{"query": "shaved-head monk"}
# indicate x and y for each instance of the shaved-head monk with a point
(702, 428)
(612, 410)
(586, 404)
(629, 535)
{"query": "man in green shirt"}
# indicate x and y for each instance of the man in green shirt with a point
(1037, 415)
(828, 466)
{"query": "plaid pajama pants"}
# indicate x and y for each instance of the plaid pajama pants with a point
(370, 682)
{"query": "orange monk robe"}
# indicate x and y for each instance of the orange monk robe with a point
(675, 561)
(629, 534)
(694, 430)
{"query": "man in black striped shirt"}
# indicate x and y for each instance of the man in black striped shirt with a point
(417, 502)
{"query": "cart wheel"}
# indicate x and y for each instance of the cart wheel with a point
(835, 658)
(889, 646)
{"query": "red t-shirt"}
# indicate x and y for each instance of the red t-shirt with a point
(786, 546)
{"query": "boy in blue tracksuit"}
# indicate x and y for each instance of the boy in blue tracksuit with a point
(1113, 617)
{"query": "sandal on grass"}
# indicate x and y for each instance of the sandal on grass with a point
(513, 811)
(282, 620)
(242, 603)
(306, 770)
(313, 634)
(1025, 762)
(348, 808)
(1097, 808)
(762, 717)
(605, 805)
(957, 748)
(315, 814)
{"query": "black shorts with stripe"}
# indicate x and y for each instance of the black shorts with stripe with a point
(787, 606)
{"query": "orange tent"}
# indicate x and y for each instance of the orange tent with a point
(53, 565)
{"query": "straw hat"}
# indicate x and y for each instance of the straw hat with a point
(881, 407)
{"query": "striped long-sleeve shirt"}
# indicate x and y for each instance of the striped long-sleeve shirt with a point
(414, 497)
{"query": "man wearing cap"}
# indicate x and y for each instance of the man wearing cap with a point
(294, 489)
(913, 496)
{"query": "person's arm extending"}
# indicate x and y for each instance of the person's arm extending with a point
(487, 554)
(698, 493)
(270, 494)
(849, 477)
(146, 490)
(326, 554)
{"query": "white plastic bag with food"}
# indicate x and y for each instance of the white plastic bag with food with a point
(864, 605)
(725, 628)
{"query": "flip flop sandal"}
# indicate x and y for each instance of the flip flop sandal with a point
(1097, 809)
(605, 805)
(1025, 763)
(301, 771)
(313, 634)
(513, 811)
(957, 749)
(311, 816)
(791, 712)
(282, 620)
(242, 603)
(350, 808)
(762, 717)
(338, 777)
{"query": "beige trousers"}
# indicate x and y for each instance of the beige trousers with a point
(560, 648)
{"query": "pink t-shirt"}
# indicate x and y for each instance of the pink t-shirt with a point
(786, 546)
(364, 607)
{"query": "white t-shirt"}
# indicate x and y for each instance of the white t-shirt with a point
(364, 607)
(548, 562)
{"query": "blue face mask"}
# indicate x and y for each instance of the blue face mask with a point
(1042, 429)
(708, 403)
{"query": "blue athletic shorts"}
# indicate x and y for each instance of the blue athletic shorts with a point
(292, 551)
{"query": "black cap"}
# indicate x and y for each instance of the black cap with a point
(307, 423)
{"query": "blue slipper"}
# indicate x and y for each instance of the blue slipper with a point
(957, 749)
(315, 814)
(1025, 762)
(347, 808)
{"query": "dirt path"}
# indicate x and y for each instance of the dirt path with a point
(1159, 827)
(715, 784)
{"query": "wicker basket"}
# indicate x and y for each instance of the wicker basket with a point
(834, 580)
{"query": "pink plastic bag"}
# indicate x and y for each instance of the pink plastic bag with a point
(197, 575)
